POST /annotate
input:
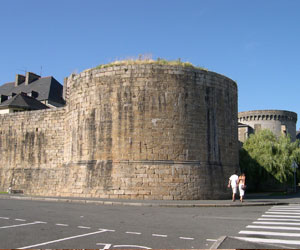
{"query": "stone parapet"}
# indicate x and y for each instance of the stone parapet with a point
(256, 115)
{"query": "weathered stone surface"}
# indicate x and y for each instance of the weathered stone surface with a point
(132, 132)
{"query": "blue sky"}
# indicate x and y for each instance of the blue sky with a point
(256, 43)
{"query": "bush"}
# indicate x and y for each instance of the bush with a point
(267, 159)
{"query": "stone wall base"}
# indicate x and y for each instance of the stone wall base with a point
(149, 180)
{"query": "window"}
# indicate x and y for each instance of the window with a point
(283, 129)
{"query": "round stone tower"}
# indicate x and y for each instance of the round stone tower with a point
(149, 131)
(278, 121)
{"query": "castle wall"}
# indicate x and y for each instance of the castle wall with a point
(132, 132)
(31, 144)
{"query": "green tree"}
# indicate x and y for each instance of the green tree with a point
(264, 156)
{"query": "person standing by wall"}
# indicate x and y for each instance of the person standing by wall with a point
(233, 183)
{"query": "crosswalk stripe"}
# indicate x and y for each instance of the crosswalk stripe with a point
(288, 206)
(284, 210)
(275, 227)
(270, 233)
(281, 216)
(276, 219)
(273, 241)
(281, 213)
(275, 223)
(278, 222)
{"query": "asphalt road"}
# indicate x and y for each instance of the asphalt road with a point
(34, 224)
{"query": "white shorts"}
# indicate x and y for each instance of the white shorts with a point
(234, 189)
(241, 191)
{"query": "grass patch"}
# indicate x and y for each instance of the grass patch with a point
(149, 60)
(3, 192)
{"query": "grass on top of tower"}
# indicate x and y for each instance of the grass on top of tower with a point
(149, 60)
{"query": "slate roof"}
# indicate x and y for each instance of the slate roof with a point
(24, 102)
(48, 88)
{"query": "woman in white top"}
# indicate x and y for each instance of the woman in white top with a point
(242, 186)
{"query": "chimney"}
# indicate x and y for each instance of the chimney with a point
(3, 98)
(65, 89)
(19, 79)
(30, 77)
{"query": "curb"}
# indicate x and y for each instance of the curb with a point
(141, 204)
(218, 242)
(241, 244)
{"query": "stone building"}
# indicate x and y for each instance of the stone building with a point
(144, 131)
(278, 121)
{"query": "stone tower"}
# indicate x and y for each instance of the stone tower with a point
(278, 121)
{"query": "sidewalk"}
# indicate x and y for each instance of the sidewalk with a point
(254, 199)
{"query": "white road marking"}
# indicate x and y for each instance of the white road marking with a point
(84, 227)
(107, 230)
(281, 213)
(21, 225)
(160, 235)
(131, 246)
(106, 246)
(63, 239)
(211, 239)
(284, 210)
(186, 238)
(280, 216)
(287, 208)
(272, 227)
(275, 223)
(270, 233)
(289, 205)
(62, 225)
(20, 220)
(4, 218)
(273, 241)
(275, 219)
(133, 233)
